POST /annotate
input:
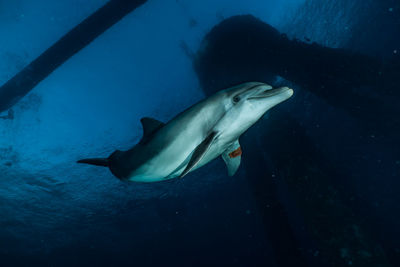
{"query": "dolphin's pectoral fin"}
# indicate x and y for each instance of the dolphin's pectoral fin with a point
(199, 153)
(150, 126)
(232, 157)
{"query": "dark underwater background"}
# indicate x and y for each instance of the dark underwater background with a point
(319, 183)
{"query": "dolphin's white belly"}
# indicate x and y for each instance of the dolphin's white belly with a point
(163, 164)
(172, 156)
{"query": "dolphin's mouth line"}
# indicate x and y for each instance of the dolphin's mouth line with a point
(270, 92)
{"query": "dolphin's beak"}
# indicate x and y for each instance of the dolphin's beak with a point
(273, 92)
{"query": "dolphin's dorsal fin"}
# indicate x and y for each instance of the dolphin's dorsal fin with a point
(150, 126)
(232, 157)
(199, 153)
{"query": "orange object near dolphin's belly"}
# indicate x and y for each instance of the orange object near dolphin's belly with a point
(236, 153)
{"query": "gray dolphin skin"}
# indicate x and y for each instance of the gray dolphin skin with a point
(206, 130)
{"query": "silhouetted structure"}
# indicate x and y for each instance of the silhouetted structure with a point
(306, 216)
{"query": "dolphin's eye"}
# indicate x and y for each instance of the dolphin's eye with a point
(236, 99)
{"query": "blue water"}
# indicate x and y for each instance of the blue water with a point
(54, 212)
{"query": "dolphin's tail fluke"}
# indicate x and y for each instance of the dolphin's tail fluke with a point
(98, 161)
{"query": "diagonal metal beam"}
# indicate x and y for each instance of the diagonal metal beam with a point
(71, 43)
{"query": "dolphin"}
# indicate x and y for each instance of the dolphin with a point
(201, 133)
